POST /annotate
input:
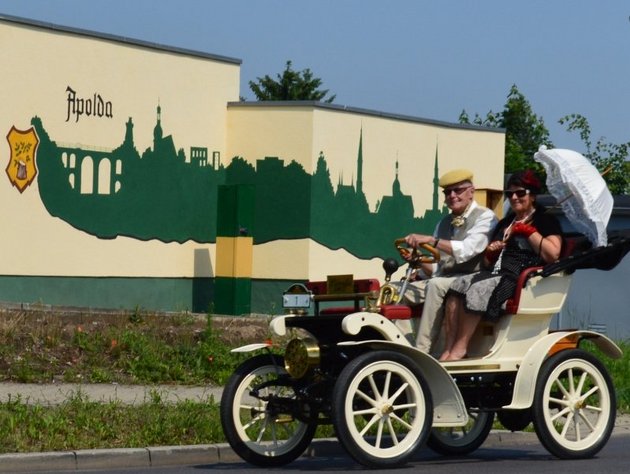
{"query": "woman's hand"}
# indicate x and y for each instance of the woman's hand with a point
(493, 250)
(523, 229)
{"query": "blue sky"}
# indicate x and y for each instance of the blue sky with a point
(428, 59)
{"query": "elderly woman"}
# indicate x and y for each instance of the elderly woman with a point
(526, 237)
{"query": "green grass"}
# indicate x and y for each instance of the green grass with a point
(82, 424)
(131, 349)
(42, 348)
(619, 370)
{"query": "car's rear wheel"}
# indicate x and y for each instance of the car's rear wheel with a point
(461, 440)
(574, 404)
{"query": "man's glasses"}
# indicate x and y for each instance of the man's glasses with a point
(519, 193)
(458, 190)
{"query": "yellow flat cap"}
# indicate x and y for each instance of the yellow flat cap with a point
(454, 177)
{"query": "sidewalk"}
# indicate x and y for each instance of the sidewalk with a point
(166, 455)
(53, 394)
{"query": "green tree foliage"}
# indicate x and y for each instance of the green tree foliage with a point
(609, 158)
(290, 85)
(525, 132)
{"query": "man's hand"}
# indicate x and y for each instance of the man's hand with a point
(523, 229)
(405, 253)
(414, 240)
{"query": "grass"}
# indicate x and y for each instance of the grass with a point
(123, 348)
(80, 423)
(619, 370)
(134, 348)
(137, 348)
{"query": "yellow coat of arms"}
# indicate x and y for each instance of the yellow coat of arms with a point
(22, 168)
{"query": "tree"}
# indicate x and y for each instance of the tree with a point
(291, 85)
(525, 132)
(609, 158)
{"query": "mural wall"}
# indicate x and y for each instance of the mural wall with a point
(373, 178)
(116, 161)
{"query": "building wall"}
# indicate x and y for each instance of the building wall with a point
(394, 151)
(54, 232)
(116, 202)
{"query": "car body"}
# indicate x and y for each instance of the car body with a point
(358, 370)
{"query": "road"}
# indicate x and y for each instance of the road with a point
(523, 454)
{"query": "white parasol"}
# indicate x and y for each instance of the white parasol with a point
(580, 189)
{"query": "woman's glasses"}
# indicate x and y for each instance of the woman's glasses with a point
(519, 193)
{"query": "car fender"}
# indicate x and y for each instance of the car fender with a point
(252, 347)
(525, 383)
(449, 408)
(278, 326)
(353, 323)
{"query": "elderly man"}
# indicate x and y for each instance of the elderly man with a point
(461, 237)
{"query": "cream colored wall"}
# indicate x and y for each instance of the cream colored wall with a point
(192, 91)
(286, 132)
(257, 131)
(413, 145)
(283, 259)
(302, 132)
(306, 259)
(38, 66)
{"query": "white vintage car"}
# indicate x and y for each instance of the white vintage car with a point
(356, 368)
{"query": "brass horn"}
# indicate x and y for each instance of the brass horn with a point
(388, 294)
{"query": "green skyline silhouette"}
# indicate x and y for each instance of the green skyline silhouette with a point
(160, 195)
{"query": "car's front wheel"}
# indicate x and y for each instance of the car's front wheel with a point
(255, 420)
(382, 409)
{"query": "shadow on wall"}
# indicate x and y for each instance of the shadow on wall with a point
(203, 281)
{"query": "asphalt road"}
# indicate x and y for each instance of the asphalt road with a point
(503, 452)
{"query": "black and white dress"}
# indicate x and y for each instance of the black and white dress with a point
(486, 292)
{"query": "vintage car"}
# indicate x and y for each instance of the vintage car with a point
(356, 368)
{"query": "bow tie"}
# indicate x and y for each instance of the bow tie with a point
(458, 221)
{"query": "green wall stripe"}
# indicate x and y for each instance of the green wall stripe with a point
(159, 294)
(163, 294)
(232, 295)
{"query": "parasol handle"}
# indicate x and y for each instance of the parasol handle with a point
(603, 173)
(606, 171)
(561, 201)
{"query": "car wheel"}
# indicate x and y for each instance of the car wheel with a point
(574, 405)
(382, 409)
(462, 440)
(259, 430)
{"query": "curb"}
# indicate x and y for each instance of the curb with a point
(204, 454)
(117, 458)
